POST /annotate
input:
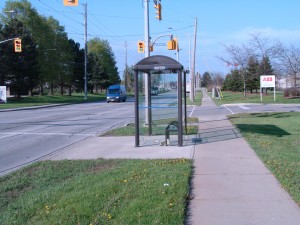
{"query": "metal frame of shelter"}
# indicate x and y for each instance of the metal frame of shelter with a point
(159, 64)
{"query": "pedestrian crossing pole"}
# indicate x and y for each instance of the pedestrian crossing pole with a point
(192, 92)
(85, 50)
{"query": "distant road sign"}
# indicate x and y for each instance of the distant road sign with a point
(267, 81)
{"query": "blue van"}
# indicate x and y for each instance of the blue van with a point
(116, 93)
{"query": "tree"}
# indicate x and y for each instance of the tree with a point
(55, 53)
(128, 76)
(257, 47)
(290, 62)
(206, 80)
(237, 81)
(227, 83)
(233, 81)
(77, 81)
(238, 56)
(21, 69)
(106, 57)
(95, 71)
(252, 74)
(217, 79)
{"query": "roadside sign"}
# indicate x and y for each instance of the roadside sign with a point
(3, 98)
(267, 81)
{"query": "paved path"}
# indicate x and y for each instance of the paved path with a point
(230, 185)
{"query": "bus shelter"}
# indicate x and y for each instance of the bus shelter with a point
(160, 102)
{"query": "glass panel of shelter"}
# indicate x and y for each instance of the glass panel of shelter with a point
(162, 110)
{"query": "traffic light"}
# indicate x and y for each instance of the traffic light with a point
(18, 45)
(151, 48)
(171, 45)
(176, 44)
(70, 2)
(158, 11)
(141, 47)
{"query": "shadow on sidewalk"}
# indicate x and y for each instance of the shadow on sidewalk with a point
(216, 135)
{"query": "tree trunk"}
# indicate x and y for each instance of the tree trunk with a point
(70, 90)
(61, 89)
(51, 89)
(41, 90)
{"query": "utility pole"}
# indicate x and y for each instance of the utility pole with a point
(126, 71)
(85, 51)
(147, 54)
(192, 93)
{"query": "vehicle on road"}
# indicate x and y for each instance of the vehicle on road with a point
(154, 90)
(116, 93)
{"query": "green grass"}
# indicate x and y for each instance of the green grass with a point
(197, 99)
(238, 97)
(48, 100)
(96, 192)
(275, 138)
(158, 128)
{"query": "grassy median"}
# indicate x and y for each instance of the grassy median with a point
(96, 192)
(275, 138)
(238, 97)
(49, 100)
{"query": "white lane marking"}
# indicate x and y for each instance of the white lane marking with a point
(243, 107)
(35, 133)
(228, 109)
(192, 111)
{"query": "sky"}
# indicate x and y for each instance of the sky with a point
(218, 22)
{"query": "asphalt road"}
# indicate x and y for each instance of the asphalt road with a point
(30, 135)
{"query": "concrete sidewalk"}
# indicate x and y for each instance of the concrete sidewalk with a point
(230, 185)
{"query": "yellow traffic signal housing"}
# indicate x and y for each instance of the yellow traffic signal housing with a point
(70, 2)
(151, 48)
(176, 44)
(141, 47)
(171, 45)
(18, 45)
(158, 11)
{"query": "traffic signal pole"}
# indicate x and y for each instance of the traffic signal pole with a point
(85, 51)
(192, 92)
(11, 39)
(147, 76)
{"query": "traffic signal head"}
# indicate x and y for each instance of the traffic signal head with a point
(171, 45)
(176, 44)
(141, 47)
(158, 11)
(70, 2)
(18, 45)
(151, 48)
